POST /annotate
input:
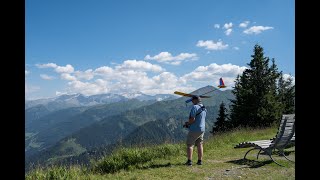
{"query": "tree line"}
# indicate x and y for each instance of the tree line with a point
(262, 95)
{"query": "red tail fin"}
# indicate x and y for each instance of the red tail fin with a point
(221, 84)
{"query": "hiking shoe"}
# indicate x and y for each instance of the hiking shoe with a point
(199, 162)
(188, 163)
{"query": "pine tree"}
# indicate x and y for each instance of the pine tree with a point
(286, 94)
(255, 91)
(221, 124)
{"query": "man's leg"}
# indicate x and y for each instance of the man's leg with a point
(190, 143)
(199, 143)
(189, 152)
(200, 151)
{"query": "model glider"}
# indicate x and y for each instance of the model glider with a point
(221, 85)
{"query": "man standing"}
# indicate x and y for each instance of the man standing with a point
(196, 125)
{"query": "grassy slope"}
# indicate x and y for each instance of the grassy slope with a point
(221, 161)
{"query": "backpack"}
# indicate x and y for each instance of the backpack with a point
(203, 108)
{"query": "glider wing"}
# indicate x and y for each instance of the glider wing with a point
(183, 94)
(189, 95)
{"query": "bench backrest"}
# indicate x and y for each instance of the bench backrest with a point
(285, 132)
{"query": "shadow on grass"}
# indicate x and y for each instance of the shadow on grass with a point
(250, 163)
(152, 166)
(286, 152)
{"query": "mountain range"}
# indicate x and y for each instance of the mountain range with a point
(77, 100)
(78, 132)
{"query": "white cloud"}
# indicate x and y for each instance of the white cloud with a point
(131, 76)
(256, 29)
(166, 57)
(87, 88)
(227, 25)
(217, 26)
(212, 73)
(119, 73)
(46, 77)
(104, 70)
(68, 77)
(244, 24)
(87, 75)
(58, 93)
(59, 69)
(236, 48)
(64, 69)
(287, 76)
(228, 32)
(127, 81)
(139, 66)
(211, 45)
(26, 72)
(185, 56)
(165, 82)
(48, 65)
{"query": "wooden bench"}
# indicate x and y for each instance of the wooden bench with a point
(284, 137)
(292, 141)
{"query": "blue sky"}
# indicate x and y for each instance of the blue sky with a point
(151, 46)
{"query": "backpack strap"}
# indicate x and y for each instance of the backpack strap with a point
(203, 108)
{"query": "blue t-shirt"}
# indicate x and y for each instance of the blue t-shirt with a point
(199, 125)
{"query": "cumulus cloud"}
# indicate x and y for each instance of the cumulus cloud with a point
(287, 76)
(87, 75)
(132, 76)
(227, 25)
(88, 88)
(166, 82)
(139, 65)
(228, 32)
(236, 48)
(26, 72)
(166, 57)
(68, 77)
(217, 26)
(58, 93)
(104, 70)
(46, 77)
(213, 72)
(256, 29)
(59, 69)
(211, 45)
(48, 65)
(64, 69)
(128, 80)
(121, 79)
(244, 24)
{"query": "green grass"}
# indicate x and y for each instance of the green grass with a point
(220, 161)
(68, 149)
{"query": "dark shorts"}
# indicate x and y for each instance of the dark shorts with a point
(194, 138)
